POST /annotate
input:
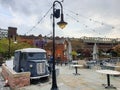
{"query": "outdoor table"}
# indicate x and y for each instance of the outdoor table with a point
(108, 73)
(74, 62)
(76, 67)
(110, 66)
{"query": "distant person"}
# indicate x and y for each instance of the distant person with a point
(50, 61)
(101, 65)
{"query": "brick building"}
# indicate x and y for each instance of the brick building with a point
(63, 46)
(62, 49)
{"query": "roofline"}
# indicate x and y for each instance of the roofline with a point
(31, 50)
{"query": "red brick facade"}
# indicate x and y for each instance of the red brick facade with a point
(61, 47)
(61, 50)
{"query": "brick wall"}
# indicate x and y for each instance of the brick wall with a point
(15, 80)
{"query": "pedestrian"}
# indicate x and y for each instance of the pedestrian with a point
(50, 64)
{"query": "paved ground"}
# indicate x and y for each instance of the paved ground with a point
(88, 79)
(2, 83)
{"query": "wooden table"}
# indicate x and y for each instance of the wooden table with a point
(108, 73)
(76, 68)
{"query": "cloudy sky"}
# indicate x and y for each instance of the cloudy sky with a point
(91, 18)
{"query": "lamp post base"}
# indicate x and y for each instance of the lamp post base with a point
(54, 88)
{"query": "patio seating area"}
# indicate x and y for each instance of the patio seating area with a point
(88, 79)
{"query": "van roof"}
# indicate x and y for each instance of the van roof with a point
(31, 50)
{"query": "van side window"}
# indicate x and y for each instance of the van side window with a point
(23, 60)
(25, 56)
(16, 55)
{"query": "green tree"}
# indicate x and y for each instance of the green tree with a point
(4, 46)
(74, 54)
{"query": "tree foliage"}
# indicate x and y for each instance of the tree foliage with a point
(117, 49)
(74, 54)
(4, 46)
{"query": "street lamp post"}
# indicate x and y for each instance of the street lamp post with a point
(11, 35)
(9, 45)
(62, 24)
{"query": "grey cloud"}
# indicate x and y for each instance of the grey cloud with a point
(26, 7)
(104, 11)
(102, 7)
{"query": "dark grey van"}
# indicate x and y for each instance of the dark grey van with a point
(31, 60)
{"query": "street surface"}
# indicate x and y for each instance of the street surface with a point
(2, 83)
(88, 79)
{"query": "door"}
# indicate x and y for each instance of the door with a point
(16, 62)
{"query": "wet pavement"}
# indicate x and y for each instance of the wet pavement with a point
(88, 79)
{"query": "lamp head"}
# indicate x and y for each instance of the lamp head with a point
(62, 23)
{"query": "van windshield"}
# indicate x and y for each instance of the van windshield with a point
(36, 56)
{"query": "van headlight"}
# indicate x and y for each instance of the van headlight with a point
(31, 66)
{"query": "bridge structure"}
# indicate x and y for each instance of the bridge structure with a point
(102, 43)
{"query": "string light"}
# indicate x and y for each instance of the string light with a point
(90, 19)
(38, 21)
(77, 20)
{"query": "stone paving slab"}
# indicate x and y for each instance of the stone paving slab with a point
(2, 83)
(88, 79)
